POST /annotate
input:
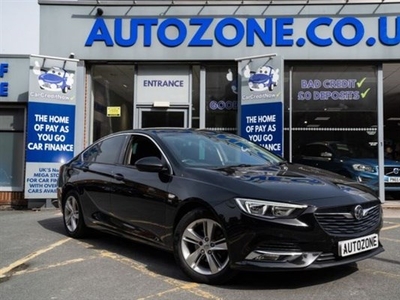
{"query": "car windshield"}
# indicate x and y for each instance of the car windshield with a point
(208, 149)
(354, 151)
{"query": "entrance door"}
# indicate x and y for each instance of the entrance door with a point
(163, 118)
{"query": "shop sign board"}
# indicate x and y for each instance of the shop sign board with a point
(334, 31)
(322, 31)
(330, 89)
(14, 78)
(158, 83)
(261, 101)
(3, 84)
(50, 124)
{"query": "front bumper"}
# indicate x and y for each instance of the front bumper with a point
(309, 242)
(299, 260)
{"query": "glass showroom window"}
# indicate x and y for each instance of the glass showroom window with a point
(334, 102)
(221, 98)
(12, 148)
(334, 119)
(113, 98)
(195, 96)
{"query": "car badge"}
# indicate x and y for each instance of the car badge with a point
(358, 212)
(396, 171)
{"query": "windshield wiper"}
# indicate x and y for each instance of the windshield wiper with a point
(239, 166)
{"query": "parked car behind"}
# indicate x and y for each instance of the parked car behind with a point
(354, 161)
(218, 202)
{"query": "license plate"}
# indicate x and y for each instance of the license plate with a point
(358, 245)
(393, 179)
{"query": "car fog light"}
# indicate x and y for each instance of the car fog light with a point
(274, 256)
(292, 259)
(267, 256)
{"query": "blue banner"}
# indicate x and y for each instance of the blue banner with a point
(261, 98)
(262, 124)
(51, 129)
(51, 123)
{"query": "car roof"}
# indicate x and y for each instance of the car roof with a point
(154, 131)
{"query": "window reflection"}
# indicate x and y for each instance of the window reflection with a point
(12, 149)
(221, 98)
(333, 102)
(112, 87)
(107, 151)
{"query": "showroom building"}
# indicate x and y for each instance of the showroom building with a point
(280, 73)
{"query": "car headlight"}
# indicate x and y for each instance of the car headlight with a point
(364, 168)
(269, 209)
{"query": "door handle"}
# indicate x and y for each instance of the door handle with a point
(119, 177)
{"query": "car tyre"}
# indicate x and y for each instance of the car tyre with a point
(73, 216)
(201, 248)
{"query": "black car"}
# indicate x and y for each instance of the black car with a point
(219, 202)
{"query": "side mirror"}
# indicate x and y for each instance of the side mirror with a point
(150, 164)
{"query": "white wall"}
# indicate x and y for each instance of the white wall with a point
(19, 26)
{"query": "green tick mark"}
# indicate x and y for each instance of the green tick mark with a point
(363, 95)
(360, 83)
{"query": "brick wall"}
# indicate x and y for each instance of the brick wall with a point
(13, 199)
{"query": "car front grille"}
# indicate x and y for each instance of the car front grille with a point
(344, 223)
(393, 174)
(324, 257)
(279, 246)
(392, 171)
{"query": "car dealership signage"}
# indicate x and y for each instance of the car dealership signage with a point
(261, 98)
(51, 123)
(3, 84)
(331, 89)
(347, 31)
(170, 86)
(199, 32)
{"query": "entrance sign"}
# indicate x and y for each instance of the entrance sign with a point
(157, 84)
(51, 123)
(261, 101)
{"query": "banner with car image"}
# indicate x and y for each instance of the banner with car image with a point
(261, 101)
(50, 123)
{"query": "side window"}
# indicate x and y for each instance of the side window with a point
(106, 151)
(142, 147)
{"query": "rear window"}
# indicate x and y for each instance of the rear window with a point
(106, 151)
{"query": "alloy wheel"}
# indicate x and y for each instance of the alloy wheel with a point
(204, 247)
(71, 213)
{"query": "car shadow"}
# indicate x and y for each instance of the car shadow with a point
(162, 263)
(54, 224)
(155, 260)
(290, 279)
